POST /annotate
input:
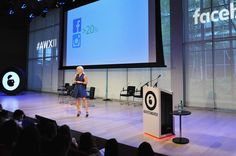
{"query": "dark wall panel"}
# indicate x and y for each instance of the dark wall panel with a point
(13, 42)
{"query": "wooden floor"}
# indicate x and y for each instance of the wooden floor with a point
(210, 132)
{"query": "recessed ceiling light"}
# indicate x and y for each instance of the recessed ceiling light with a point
(31, 15)
(11, 12)
(23, 6)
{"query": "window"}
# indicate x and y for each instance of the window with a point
(209, 57)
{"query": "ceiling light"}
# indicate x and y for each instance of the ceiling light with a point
(31, 15)
(45, 10)
(23, 6)
(11, 12)
(61, 2)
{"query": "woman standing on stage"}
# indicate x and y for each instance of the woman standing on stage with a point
(79, 92)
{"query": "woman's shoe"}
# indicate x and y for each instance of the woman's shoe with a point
(86, 114)
(78, 114)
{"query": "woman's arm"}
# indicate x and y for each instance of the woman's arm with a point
(74, 80)
(85, 80)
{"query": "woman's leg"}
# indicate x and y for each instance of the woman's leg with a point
(78, 105)
(85, 105)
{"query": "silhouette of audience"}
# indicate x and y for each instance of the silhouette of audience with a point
(50, 140)
(145, 149)
(4, 116)
(87, 144)
(9, 132)
(111, 148)
(18, 117)
(62, 142)
(28, 143)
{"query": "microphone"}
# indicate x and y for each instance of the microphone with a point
(138, 87)
(123, 89)
(155, 85)
(146, 84)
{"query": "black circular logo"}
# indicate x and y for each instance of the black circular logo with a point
(150, 100)
(12, 81)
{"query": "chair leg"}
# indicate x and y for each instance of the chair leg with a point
(137, 104)
(127, 101)
(120, 101)
(63, 99)
(58, 98)
(123, 102)
(66, 99)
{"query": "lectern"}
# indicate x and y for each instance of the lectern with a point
(157, 112)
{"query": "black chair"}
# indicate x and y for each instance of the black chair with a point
(91, 93)
(64, 92)
(138, 94)
(46, 126)
(127, 92)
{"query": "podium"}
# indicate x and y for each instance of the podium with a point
(157, 112)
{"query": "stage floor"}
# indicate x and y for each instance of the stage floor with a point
(210, 132)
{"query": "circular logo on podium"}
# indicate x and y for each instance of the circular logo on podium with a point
(12, 81)
(150, 100)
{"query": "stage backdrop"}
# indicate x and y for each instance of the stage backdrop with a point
(43, 52)
(43, 61)
(208, 51)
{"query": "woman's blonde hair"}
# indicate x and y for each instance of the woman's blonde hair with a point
(80, 67)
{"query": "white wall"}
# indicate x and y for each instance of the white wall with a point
(119, 78)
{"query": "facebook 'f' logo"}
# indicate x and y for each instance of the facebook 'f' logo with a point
(76, 37)
(77, 25)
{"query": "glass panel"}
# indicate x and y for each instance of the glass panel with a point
(224, 75)
(165, 80)
(198, 75)
(35, 74)
(47, 75)
(43, 53)
(206, 3)
(43, 40)
(217, 3)
(210, 68)
(193, 4)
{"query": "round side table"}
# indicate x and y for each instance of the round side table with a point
(180, 139)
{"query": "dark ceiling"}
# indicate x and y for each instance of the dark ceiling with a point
(32, 6)
(35, 7)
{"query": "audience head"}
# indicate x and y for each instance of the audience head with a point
(0, 107)
(64, 131)
(61, 143)
(4, 116)
(18, 115)
(111, 147)
(86, 142)
(28, 143)
(145, 149)
(9, 132)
